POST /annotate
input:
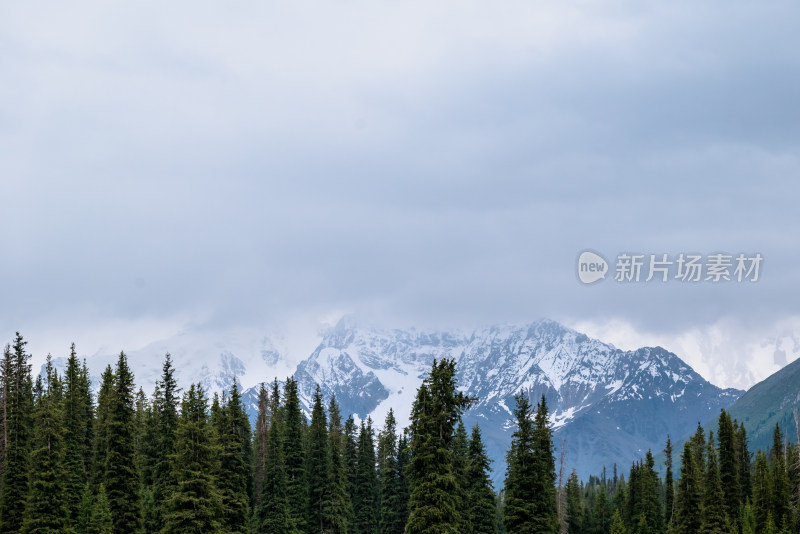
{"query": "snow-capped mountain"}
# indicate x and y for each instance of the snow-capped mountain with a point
(607, 405)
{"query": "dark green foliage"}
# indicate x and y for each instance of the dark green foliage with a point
(195, 504)
(260, 439)
(403, 460)
(480, 504)
(575, 513)
(165, 410)
(433, 503)
(121, 477)
(365, 492)
(78, 419)
(272, 514)
(617, 524)
(669, 487)
(318, 467)
(744, 458)
(459, 447)
(780, 480)
(350, 462)
(233, 434)
(295, 456)
(100, 444)
(715, 519)
(391, 514)
(687, 517)
(337, 505)
(729, 465)
(518, 511)
(762, 491)
(46, 509)
(18, 430)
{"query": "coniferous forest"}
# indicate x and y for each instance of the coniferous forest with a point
(117, 460)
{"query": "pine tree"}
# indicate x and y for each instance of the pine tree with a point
(391, 519)
(575, 523)
(77, 433)
(403, 461)
(545, 516)
(669, 488)
(121, 477)
(459, 447)
(617, 525)
(46, 509)
(166, 399)
(432, 504)
(337, 505)
(350, 458)
(272, 515)
(729, 465)
(365, 492)
(102, 521)
(744, 459)
(481, 500)
(318, 466)
(780, 480)
(260, 439)
(18, 397)
(715, 519)
(519, 508)
(195, 504)
(687, 517)
(295, 456)
(100, 442)
(233, 436)
(763, 496)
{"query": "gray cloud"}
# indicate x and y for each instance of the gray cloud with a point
(423, 164)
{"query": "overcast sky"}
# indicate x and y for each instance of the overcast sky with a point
(434, 164)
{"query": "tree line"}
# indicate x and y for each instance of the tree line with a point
(176, 461)
(120, 461)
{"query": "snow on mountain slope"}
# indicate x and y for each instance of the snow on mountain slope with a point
(606, 405)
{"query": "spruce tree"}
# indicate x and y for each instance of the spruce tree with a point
(460, 449)
(272, 516)
(195, 504)
(545, 516)
(295, 456)
(121, 477)
(575, 513)
(318, 467)
(234, 444)
(77, 434)
(715, 519)
(165, 408)
(365, 492)
(350, 458)
(432, 504)
(18, 397)
(46, 510)
(763, 495)
(391, 519)
(403, 461)
(744, 459)
(260, 442)
(687, 517)
(617, 524)
(669, 487)
(729, 465)
(519, 508)
(481, 500)
(100, 442)
(780, 480)
(337, 505)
